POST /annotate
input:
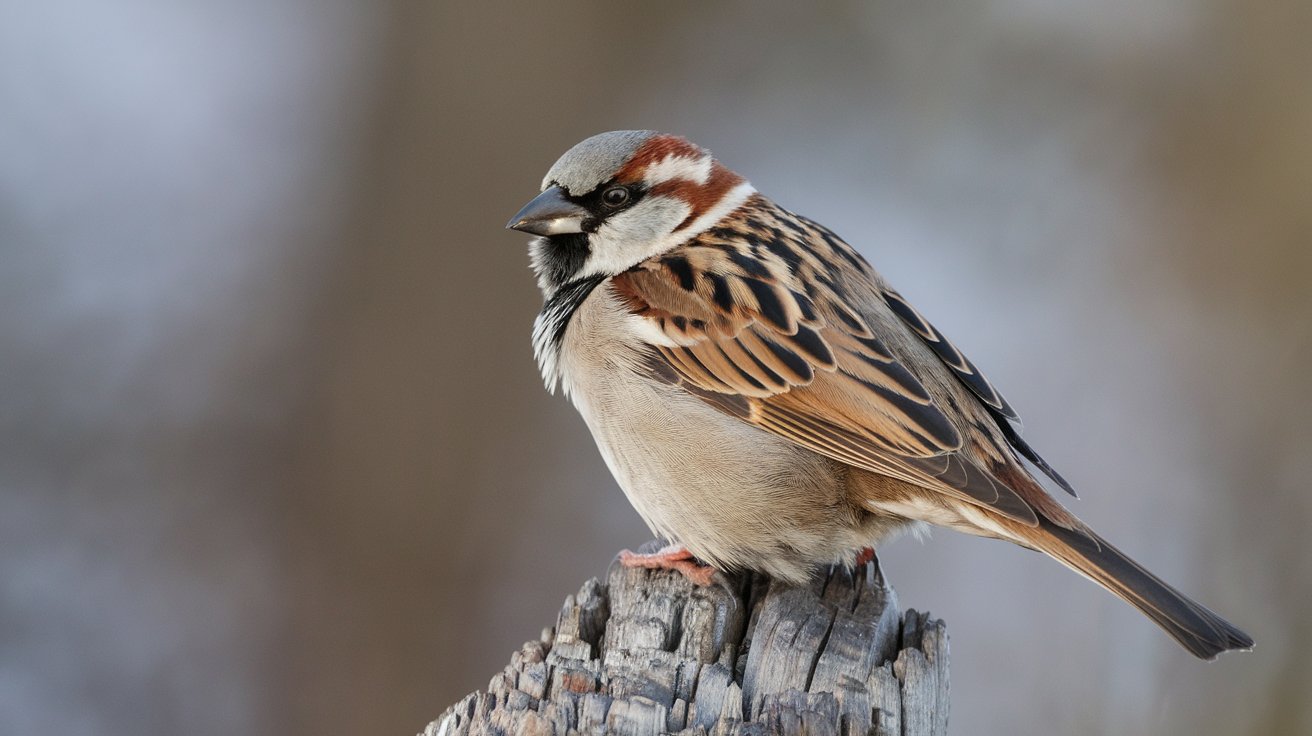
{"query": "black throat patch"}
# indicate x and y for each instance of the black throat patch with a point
(549, 328)
(562, 305)
(562, 256)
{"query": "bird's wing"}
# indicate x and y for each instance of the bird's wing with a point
(950, 355)
(973, 379)
(758, 319)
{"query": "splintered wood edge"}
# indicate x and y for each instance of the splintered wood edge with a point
(648, 653)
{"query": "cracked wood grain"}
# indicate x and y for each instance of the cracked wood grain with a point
(648, 653)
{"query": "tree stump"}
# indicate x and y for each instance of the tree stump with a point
(649, 653)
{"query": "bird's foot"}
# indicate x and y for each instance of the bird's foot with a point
(672, 557)
(865, 556)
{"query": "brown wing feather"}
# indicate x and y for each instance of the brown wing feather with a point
(954, 358)
(973, 379)
(763, 332)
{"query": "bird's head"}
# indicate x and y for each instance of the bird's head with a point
(619, 198)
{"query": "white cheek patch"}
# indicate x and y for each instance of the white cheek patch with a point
(630, 237)
(678, 167)
(652, 226)
(648, 229)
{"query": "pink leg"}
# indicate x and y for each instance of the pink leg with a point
(673, 557)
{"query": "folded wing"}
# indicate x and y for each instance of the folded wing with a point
(766, 338)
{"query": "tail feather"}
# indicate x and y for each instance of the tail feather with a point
(1198, 629)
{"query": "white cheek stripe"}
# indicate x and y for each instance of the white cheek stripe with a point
(731, 201)
(608, 258)
(678, 167)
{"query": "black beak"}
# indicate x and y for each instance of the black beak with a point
(550, 213)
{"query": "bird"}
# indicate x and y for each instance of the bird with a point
(766, 400)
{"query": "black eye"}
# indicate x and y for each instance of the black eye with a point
(615, 196)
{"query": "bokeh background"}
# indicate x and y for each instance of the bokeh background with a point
(274, 455)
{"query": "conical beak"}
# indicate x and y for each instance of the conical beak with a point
(550, 213)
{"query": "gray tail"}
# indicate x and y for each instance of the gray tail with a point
(1198, 629)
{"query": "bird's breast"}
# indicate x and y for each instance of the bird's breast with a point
(734, 495)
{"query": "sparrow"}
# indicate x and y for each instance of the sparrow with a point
(765, 399)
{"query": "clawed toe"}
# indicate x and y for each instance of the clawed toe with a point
(672, 557)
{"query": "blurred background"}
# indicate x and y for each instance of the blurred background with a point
(274, 454)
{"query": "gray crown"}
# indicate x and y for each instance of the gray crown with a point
(595, 160)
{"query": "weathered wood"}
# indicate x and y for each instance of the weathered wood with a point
(648, 653)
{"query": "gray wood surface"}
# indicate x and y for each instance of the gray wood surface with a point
(648, 653)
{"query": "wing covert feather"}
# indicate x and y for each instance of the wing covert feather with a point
(762, 335)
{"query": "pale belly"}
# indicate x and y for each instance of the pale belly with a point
(734, 495)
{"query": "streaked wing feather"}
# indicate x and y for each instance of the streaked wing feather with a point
(954, 358)
(749, 338)
(975, 380)
(1023, 447)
